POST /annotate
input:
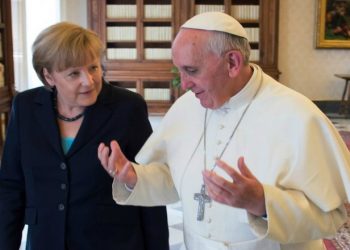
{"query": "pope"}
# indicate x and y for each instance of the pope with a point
(255, 164)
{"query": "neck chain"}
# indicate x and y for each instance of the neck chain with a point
(62, 117)
(202, 197)
(69, 119)
(228, 140)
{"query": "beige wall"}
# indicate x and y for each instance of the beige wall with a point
(74, 11)
(305, 68)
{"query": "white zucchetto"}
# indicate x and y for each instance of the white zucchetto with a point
(216, 21)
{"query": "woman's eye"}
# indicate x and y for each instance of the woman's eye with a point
(74, 74)
(94, 68)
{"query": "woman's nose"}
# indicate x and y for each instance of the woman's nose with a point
(87, 78)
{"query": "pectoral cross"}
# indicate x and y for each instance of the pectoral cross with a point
(202, 198)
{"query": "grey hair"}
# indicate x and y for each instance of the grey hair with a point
(220, 43)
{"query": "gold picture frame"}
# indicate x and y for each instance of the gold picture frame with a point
(333, 24)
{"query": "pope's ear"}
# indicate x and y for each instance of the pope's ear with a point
(234, 62)
(48, 77)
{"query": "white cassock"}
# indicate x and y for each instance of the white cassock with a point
(288, 144)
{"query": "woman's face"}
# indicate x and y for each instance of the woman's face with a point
(77, 87)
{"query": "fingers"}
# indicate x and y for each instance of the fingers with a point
(116, 164)
(118, 152)
(236, 177)
(243, 191)
(102, 153)
(112, 173)
(126, 169)
(122, 168)
(116, 160)
(243, 168)
(217, 187)
(112, 159)
(221, 189)
(108, 160)
(214, 186)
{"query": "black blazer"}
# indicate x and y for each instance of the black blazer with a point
(66, 200)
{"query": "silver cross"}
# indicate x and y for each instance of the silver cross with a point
(202, 198)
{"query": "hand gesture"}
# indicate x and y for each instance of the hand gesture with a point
(244, 191)
(116, 164)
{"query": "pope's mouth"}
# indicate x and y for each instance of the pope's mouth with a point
(199, 94)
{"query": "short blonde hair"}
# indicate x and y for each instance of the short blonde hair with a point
(65, 45)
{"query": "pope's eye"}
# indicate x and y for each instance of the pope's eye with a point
(191, 71)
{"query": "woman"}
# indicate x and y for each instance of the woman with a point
(50, 177)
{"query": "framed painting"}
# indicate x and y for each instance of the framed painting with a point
(333, 24)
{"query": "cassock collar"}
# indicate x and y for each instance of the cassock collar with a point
(243, 97)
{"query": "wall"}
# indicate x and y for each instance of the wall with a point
(74, 11)
(35, 22)
(304, 68)
(29, 17)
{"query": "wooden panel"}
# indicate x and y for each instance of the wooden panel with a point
(5, 107)
(5, 99)
(141, 68)
(6, 91)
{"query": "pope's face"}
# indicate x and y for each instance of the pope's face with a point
(201, 71)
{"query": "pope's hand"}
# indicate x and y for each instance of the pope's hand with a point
(116, 164)
(244, 191)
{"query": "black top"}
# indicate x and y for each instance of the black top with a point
(66, 200)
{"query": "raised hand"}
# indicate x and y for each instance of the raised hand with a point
(116, 164)
(244, 191)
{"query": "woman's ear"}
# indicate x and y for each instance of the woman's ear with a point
(234, 62)
(48, 77)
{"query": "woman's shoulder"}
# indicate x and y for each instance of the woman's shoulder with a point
(32, 94)
(33, 91)
(118, 94)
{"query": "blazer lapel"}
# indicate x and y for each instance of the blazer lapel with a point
(44, 114)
